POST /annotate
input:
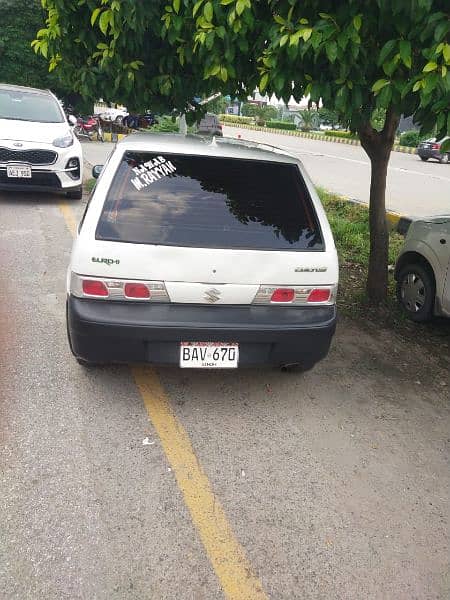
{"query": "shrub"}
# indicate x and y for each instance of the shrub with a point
(342, 134)
(410, 138)
(166, 125)
(237, 119)
(281, 125)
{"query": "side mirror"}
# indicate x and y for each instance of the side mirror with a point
(72, 120)
(96, 171)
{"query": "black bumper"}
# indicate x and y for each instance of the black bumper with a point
(105, 332)
(40, 181)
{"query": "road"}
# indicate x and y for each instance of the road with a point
(414, 188)
(136, 484)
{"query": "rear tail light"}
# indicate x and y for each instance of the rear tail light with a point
(118, 289)
(93, 287)
(436, 146)
(319, 295)
(283, 295)
(296, 295)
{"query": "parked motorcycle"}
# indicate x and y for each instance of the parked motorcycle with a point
(89, 127)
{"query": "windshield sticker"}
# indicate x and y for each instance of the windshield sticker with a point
(151, 171)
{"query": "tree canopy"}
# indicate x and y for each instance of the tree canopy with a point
(360, 58)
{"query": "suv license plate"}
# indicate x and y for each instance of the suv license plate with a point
(208, 355)
(20, 171)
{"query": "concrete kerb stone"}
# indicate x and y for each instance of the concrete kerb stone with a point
(314, 136)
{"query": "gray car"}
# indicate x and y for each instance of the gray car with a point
(432, 149)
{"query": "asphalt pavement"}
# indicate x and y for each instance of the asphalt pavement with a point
(167, 484)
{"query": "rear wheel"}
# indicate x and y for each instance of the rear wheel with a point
(416, 291)
(443, 159)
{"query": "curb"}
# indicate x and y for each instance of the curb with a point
(314, 136)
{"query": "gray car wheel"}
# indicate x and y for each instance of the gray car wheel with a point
(416, 292)
(443, 159)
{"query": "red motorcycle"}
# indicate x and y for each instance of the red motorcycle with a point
(89, 127)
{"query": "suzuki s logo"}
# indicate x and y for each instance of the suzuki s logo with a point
(18, 144)
(212, 295)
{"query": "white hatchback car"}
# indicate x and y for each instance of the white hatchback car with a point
(423, 269)
(38, 151)
(205, 254)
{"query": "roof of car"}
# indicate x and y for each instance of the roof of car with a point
(202, 146)
(21, 88)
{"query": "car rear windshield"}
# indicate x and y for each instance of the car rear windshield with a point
(29, 106)
(209, 202)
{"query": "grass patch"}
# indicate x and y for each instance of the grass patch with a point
(89, 185)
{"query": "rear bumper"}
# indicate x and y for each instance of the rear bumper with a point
(429, 153)
(105, 332)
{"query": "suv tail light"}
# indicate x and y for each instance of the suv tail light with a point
(104, 288)
(436, 146)
(296, 295)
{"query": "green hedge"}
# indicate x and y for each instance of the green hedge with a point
(410, 138)
(342, 134)
(281, 125)
(237, 119)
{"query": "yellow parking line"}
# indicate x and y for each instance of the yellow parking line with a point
(69, 217)
(228, 559)
(224, 551)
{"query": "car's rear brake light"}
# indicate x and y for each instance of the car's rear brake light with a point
(136, 290)
(296, 295)
(283, 295)
(118, 289)
(94, 287)
(319, 295)
(436, 146)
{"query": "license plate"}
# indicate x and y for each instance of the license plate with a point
(22, 171)
(208, 355)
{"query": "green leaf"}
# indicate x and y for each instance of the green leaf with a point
(208, 12)
(430, 66)
(240, 6)
(444, 70)
(385, 51)
(176, 5)
(306, 33)
(94, 15)
(284, 39)
(197, 5)
(104, 21)
(446, 53)
(357, 22)
(378, 85)
(226, 2)
(417, 85)
(331, 50)
(279, 19)
(441, 30)
(263, 83)
(405, 53)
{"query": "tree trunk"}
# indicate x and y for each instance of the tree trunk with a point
(378, 146)
(377, 279)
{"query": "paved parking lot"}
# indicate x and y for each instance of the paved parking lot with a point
(135, 483)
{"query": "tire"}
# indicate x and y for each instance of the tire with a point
(443, 159)
(100, 136)
(416, 291)
(424, 158)
(75, 195)
(119, 120)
